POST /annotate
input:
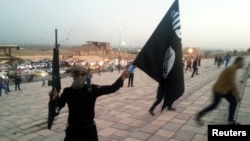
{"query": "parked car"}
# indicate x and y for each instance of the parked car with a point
(21, 66)
(39, 73)
(6, 67)
(60, 71)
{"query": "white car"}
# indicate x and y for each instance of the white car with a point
(21, 66)
(40, 73)
(60, 71)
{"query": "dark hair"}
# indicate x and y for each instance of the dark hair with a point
(238, 59)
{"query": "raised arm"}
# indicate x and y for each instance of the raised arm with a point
(108, 89)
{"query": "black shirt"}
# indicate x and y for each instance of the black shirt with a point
(81, 102)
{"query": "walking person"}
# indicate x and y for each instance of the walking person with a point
(81, 104)
(131, 70)
(227, 59)
(2, 86)
(17, 80)
(99, 70)
(159, 97)
(216, 60)
(43, 82)
(88, 79)
(119, 68)
(189, 65)
(195, 67)
(7, 82)
(225, 87)
(219, 61)
(199, 60)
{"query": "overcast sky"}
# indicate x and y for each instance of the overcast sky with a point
(204, 23)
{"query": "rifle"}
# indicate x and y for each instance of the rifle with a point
(56, 83)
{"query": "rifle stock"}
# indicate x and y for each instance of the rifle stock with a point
(56, 83)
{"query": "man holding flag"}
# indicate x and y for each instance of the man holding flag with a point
(161, 56)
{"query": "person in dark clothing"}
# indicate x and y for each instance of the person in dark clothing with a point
(189, 64)
(195, 67)
(199, 60)
(7, 82)
(159, 97)
(43, 82)
(215, 60)
(219, 61)
(81, 104)
(17, 82)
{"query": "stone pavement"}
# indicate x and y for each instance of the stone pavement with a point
(123, 116)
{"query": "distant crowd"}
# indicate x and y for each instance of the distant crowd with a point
(190, 64)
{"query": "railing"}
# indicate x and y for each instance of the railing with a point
(242, 83)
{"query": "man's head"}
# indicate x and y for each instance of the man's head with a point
(79, 74)
(239, 62)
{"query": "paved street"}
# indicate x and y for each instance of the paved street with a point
(123, 116)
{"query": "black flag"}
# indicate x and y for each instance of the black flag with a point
(161, 56)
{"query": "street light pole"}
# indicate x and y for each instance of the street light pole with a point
(68, 33)
(120, 35)
(119, 45)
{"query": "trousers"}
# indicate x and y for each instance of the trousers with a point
(86, 133)
(216, 100)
